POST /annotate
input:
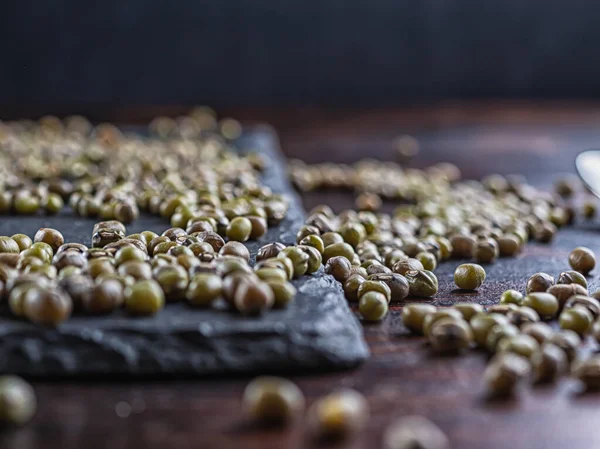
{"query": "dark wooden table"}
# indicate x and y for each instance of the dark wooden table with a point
(402, 377)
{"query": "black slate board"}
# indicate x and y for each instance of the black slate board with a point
(512, 273)
(316, 332)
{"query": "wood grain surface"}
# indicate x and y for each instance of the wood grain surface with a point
(402, 377)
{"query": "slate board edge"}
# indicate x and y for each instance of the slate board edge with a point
(332, 341)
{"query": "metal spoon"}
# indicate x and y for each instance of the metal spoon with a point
(588, 167)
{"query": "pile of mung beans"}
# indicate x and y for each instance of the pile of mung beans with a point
(385, 257)
(187, 171)
(184, 170)
(382, 258)
(518, 331)
(45, 279)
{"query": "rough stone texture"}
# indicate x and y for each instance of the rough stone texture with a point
(512, 273)
(316, 332)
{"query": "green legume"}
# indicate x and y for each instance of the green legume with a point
(144, 298)
(373, 305)
(204, 289)
(545, 304)
(422, 283)
(239, 229)
(511, 297)
(469, 276)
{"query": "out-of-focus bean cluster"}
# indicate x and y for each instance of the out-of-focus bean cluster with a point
(373, 180)
(185, 169)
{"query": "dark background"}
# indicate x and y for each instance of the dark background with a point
(268, 52)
